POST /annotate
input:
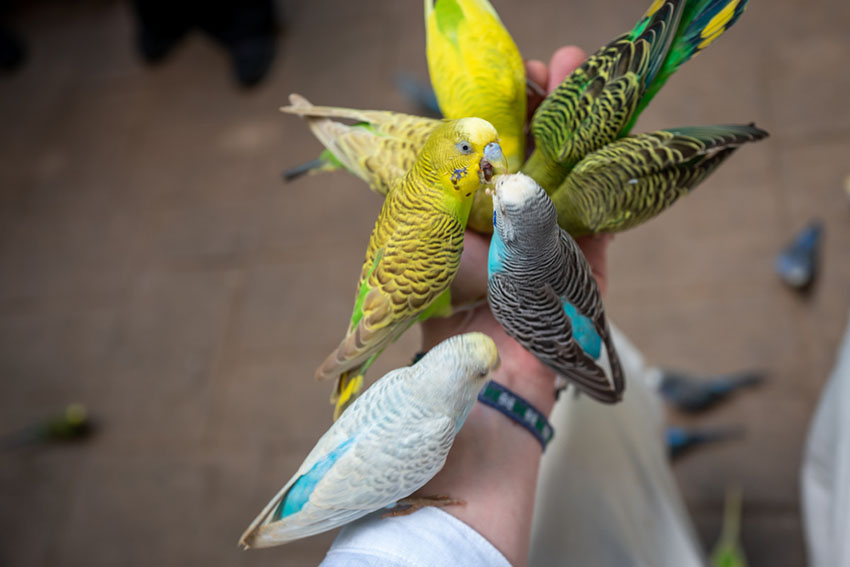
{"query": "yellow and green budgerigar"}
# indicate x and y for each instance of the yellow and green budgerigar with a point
(477, 70)
(415, 247)
(601, 100)
(636, 177)
(379, 147)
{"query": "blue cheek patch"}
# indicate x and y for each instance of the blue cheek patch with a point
(299, 493)
(583, 331)
(459, 173)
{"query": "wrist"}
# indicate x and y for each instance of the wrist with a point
(526, 376)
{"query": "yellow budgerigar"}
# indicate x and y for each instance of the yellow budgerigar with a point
(415, 247)
(477, 70)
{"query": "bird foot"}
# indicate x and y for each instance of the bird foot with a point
(413, 504)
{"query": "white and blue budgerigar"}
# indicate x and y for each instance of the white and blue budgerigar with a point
(542, 291)
(385, 446)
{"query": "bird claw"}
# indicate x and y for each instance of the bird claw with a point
(415, 503)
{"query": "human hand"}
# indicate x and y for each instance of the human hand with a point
(493, 464)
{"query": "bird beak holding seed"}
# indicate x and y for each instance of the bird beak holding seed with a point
(493, 156)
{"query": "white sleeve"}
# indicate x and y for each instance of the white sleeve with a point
(826, 470)
(607, 496)
(428, 537)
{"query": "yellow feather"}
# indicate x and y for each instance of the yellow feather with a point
(477, 70)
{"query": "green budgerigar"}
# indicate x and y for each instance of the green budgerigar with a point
(414, 250)
(634, 178)
(601, 100)
(476, 70)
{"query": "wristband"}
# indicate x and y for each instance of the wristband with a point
(518, 409)
(514, 406)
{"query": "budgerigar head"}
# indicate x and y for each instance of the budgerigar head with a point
(523, 214)
(455, 370)
(463, 155)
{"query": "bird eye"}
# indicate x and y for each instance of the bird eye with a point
(464, 147)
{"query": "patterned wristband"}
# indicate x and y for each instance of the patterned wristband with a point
(518, 409)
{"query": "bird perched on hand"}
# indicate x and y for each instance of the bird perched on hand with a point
(476, 70)
(634, 178)
(542, 291)
(388, 444)
(602, 99)
(415, 247)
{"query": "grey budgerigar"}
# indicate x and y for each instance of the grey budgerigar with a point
(542, 291)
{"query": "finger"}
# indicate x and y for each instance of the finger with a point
(595, 249)
(536, 74)
(563, 62)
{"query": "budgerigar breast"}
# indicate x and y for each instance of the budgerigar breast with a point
(420, 252)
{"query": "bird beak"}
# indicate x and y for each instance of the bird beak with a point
(493, 156)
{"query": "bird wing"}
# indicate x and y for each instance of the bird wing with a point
(379, 147)
(536, 318)
(382, 466)
(633, 179)
(408, 273)
(596, 101)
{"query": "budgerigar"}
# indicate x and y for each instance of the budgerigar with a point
(379, 148)
(415, 247)
(797, 263)
(634, 178)
(728, 551)
(601, 100)
(693, 394)
(542, 291)
(477, 70)
(387, 445)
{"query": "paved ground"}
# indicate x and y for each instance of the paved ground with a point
(153, 266)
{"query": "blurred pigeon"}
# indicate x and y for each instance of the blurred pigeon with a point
(797, 263)
(72, 424)
(692, 394)
(727, 551)
(681, 440)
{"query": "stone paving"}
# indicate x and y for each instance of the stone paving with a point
(153, 265)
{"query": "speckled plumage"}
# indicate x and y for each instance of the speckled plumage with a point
(387, 445)
(542, 291)
(633, 179)
(415, 247)
(379, 148)
(601, 100)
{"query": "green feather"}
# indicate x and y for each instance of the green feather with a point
(702, 22)
(449, 17)
(364, 291)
